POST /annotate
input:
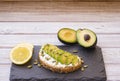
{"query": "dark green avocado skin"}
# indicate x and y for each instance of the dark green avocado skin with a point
(92, 46)
(60, 39)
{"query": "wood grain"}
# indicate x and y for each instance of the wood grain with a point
(5, 71)
(59, 11)
(66, 0)
(35, 28)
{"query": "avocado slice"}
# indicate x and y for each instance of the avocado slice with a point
(75, 60)
(60, 52)
(56, 56)
(86, 38)
(69, 59)
(67, 36)
(63, 59)
(60, 55)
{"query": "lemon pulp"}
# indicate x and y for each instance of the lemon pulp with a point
(21, 54)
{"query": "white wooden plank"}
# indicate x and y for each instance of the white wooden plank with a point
(110, 55)
(4, 72)
(4, 55)
(53, 27)
(113, 72)
(112, 69)
(11, 40)
(59, 17)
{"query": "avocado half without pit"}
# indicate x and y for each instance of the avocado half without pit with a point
(67, 36)
(86, 38)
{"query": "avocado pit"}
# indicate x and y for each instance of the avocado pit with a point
(86, 37)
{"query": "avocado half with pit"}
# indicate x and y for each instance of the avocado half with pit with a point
(86, 38)
(67, 36)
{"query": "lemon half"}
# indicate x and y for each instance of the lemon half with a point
(21, 53)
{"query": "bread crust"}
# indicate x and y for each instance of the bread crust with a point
(66, 69)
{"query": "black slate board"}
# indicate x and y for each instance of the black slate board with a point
(92, 57)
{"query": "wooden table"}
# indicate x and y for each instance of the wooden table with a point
(38, 23)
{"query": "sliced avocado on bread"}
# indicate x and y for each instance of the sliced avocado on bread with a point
(59, 60)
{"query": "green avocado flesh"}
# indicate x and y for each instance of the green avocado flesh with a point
(86, 37)
(67, 35)
(60, 55)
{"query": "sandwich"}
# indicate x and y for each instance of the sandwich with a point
(57, 60)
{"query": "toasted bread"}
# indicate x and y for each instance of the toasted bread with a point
(52, 59)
